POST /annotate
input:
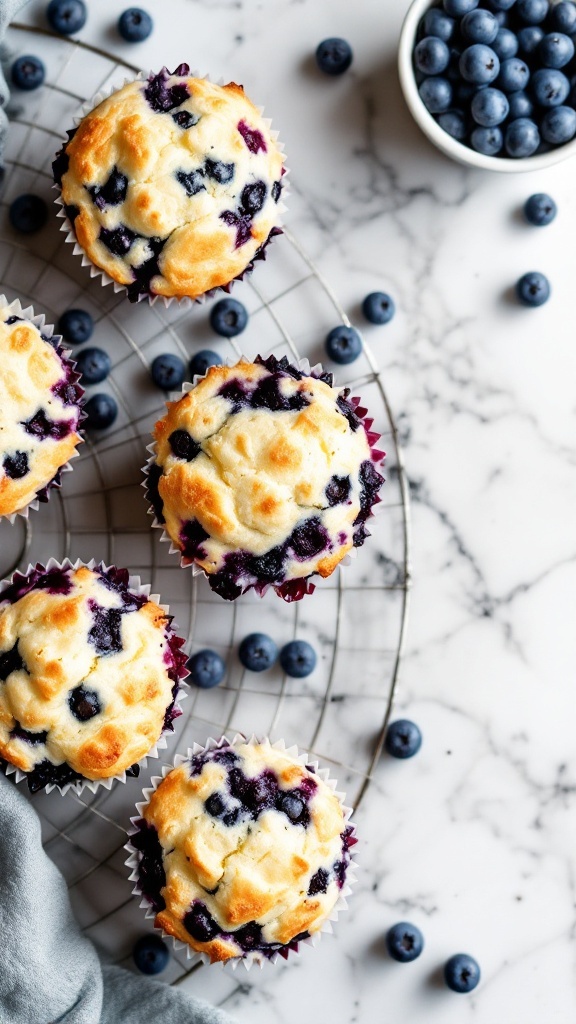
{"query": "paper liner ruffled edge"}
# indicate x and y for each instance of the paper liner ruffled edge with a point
(135, 585)
(249, 959)
(27, 313)
(377, 456)
(184, 302)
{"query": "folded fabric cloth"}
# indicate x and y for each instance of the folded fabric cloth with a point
(50, 972)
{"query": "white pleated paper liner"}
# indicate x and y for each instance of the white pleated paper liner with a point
(136, 587)
(27, 313)
(304, 366)
(247, 959)
(184, 302)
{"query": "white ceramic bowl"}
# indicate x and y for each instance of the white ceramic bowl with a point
(451, 147)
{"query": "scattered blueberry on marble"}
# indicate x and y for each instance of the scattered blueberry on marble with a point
(168, 371)
(207, 669)
(101, 411)
(200, 362)
(135, 25)
(403, 739)
(28, 72)
(404, 942)
(228, 318)
(298, 659)
(75, 326)
(540, 209)
(533, 289)
(28, 213)
(461, 973)
(66, 16)
(257, 652)
(378, 308)
(151, 954)
(334, 56)
(94, 365)
(343, 344)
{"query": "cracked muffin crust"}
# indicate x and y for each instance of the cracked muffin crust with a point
(242, 851)
(89, 673)
(264, 476)
(39, 411)
(172, 184)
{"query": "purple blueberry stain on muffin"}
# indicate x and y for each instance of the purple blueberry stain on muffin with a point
(253, 138)
(163, 98)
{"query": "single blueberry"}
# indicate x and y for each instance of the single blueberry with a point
(199, 923)
(39, 425)
(75, 326)
(532, 12)
(533, 289)
(334, 56)
(461, 973)
(431, 56)
(338, 490)
(28, 72)
(191, 181)
(118, 240)
(228, 318)
(529, 39)
(506, 44)
(558, 125)
(112, 192)
(66, 16)
(540, 209)
(106, 633)
(455, 123)
(167, 371)
(200, 362)
(291, 805)
(151, 954)
(101, 411)
(522, 138)
(318, 882)
(456, 8)
(555, 50)
(404, 942)
(83, 703)
(479, 64)
(183, 445)
(185, 119)
(207, 669)
(94, 365)
(343, 344)
(378, 308)
(563, 17)
(276, 190)
(16, 465)
(28, 213)
(135, 25)
(218, 171)
(252, 198)
(403, 738)
(489, 107)
(479, 26)
(257, 652)
(436, 94)
(298, 659)
(520, 105)
(514, 75)
(438, 23)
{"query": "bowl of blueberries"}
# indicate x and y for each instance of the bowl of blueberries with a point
(492, 83)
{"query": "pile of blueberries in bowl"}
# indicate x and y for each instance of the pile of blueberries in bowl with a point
(493, 78)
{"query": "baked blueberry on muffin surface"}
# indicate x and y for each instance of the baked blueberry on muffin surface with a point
(39, 412)
(242, 851)
(264, 476)
(172, 185)
(89, 673)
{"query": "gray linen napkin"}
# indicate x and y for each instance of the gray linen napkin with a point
(49, 972)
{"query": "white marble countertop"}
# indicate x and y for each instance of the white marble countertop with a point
(474, 839)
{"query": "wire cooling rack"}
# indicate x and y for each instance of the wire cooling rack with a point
(356, 619)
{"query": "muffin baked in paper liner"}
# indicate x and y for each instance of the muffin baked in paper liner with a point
(252, 957)
(377, 458)
(137, 587)
(15, 308)
(185, 302)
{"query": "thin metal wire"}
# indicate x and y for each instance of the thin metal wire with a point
(131, 433)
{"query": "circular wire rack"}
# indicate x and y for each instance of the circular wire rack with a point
(356, 619)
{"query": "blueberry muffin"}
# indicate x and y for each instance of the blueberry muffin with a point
(89, 674)
(39, 411)
(242, 851)
(172, 185)
(263, 476)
